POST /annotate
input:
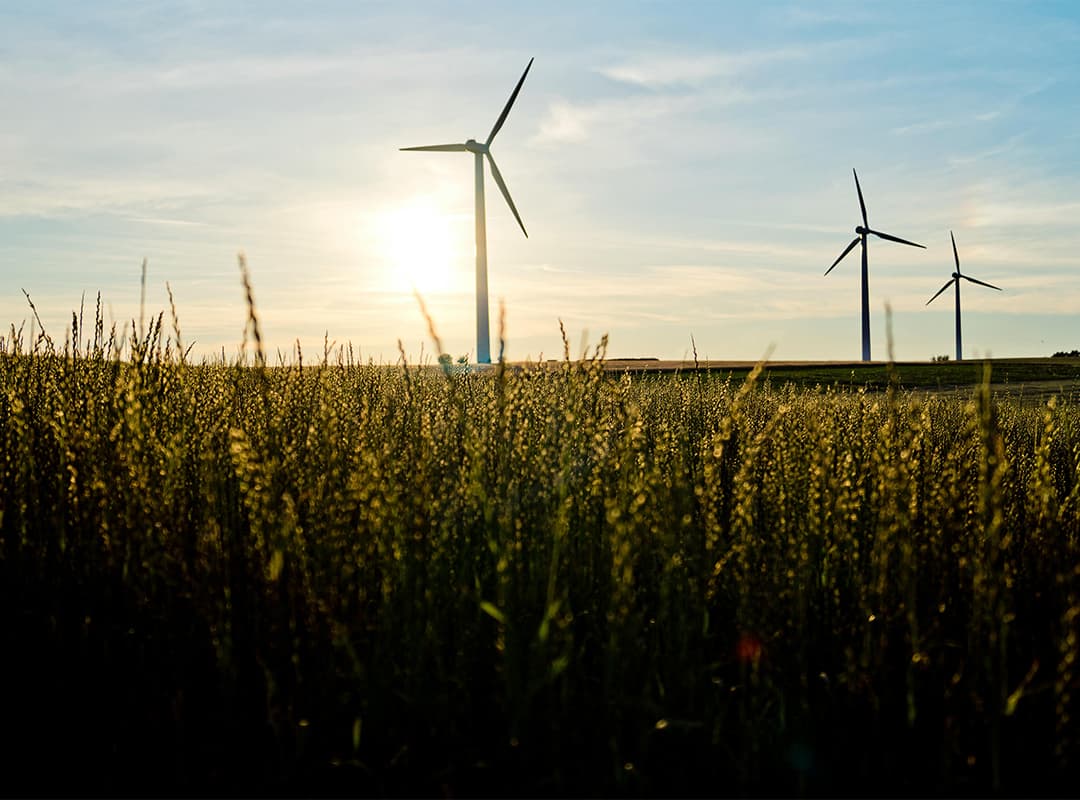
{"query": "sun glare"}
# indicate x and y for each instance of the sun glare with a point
(418, 245)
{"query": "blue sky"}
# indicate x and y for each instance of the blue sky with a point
(683, 169)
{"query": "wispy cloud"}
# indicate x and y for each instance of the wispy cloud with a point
(670, 69)
(182, 223)
(63, 195)
(930, 126)
(1004, 107)
(1024, 213)
(566, 122)
(761, 248)
(816, 15)
(1004, 148)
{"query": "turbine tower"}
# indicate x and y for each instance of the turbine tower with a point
(479, 151)
(956, 276)
(863, 231)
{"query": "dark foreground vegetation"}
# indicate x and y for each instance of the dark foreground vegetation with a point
(344, 578)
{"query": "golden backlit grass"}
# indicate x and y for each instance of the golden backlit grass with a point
(344, 577)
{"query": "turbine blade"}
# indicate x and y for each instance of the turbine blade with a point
(981, 283)
(502, 117)
(862, 203)
(443, 148)
(505, 192)
(956, 255)
(939, 291)
(847, 250)
(892, 238)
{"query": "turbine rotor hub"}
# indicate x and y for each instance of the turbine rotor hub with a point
(859, 229)
(956, 275)
(474, 146)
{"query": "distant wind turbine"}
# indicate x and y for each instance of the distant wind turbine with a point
(479, 150)
(862, 231)
(956, 276)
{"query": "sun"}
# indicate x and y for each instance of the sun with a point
(418, 246)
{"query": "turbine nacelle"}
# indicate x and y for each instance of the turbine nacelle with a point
(859, 229)
(474, 146)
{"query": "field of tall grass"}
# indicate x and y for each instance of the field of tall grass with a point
(327, 576)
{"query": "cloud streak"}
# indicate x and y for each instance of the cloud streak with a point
(657, 70)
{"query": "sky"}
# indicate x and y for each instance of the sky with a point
(684, 171)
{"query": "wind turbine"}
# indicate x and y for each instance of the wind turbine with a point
(956, 276)
(862, 231)
(479, 150)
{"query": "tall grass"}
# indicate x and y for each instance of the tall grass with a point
(346, 577)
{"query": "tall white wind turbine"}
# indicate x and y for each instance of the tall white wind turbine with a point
(862, 231)
(956, 276)
(479, 151)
